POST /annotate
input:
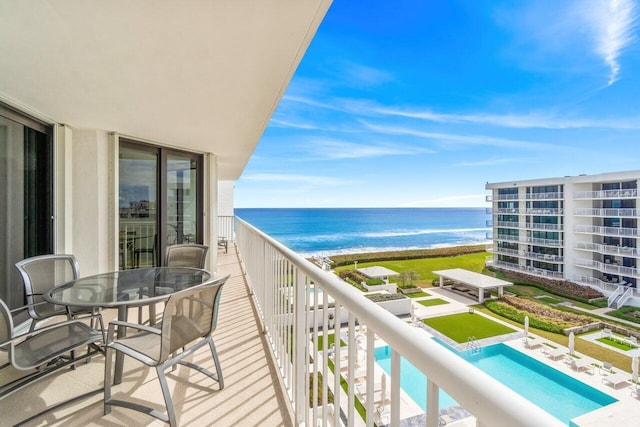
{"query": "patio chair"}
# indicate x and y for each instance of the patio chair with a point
(188, 255)
(189, 315)
(606, 368)
(42, 273)
(580, 364)
(44, 351)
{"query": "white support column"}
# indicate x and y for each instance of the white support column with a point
(441, 281)
(480, 295)
(500, 290)
(395, 388)
(433, 404)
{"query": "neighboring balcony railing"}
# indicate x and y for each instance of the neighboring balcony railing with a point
(502, 197)
(606, 194)
(544, 226)
(293, 317)
(596, 283)
(226, 227)
(607, 249)
(530, 270)
(545, 196)
(610, 213)
(544, 211)
(507, 224)
(607, 268)
(543, 257)
(506, 211)
(606, 231)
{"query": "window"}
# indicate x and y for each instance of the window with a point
(26, 197)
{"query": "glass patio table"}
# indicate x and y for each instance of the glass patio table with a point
(125, 289)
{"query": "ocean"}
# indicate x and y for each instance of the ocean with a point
(331, 231)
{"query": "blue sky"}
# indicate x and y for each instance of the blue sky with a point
(411, 103)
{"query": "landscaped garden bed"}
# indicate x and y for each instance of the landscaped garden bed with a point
(631, 314)
(541, 316)
(432, 302)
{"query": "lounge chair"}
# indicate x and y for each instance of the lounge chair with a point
(615, 380)
(554, 353)
(578, 364)
(532, 344)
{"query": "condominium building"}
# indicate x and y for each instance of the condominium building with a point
(583, 229)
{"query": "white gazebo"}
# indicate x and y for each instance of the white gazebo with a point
(377, 272)
(473, 281)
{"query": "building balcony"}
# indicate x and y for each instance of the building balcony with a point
(607, 249)
(545, 196)
(606, 194)
(606, 231)
(544, 211)
(505, 211)
(505, 251)
(529, 270)
(507, 224)
(544, 226)
(543, 242)
(607, 268)
(556, 259)
(502, 197)
(606, 213)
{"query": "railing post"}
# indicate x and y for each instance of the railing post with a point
(300, 352)
(433, 404)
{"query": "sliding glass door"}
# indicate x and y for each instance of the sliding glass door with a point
(26, 198)
(160, 202)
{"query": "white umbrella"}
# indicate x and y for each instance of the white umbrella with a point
(634, 368)
(526, 326)
(572, 343)
(383, 388)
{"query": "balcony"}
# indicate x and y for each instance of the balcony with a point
(607, 249)
(609, 213)
(607, 268)
(502, 197)
(606, 231)
(529, 270)
(545, 196)
(267, 329)
(544, 211)
(606, 194)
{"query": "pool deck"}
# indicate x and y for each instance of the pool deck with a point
(625, 412)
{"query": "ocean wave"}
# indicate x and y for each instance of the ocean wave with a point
(342, 236)
(375, 249)
(421, 232)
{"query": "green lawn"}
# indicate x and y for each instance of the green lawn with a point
(459, 327)
(424, 267)
(330, 343)
(617, 344)
(432, 302)
(549, 300)
(418, 295)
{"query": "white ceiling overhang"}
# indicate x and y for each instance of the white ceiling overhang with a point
(202, 75)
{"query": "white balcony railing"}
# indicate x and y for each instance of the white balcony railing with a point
(530, 270)
(281, 281)
(544, 211)
(596, 283)
(607, 268)
(502, 197)
(610, 213)
(606, 194)
(607, 249)
(545, 196)
(226, 228)
(606, 231)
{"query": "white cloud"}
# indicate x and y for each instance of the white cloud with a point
(490, 162)
(612, 23)
(479, 199)
(296, 179)
(334, 149)
(451, 138)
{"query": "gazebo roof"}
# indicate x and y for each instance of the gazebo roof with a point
(376, 272)
(473, 279)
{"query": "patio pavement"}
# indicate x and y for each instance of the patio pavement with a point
(252, 393)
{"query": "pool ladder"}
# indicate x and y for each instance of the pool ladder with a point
(473, 345)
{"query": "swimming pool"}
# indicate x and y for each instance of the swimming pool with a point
(562, 396)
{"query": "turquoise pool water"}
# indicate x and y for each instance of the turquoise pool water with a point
(562, 396)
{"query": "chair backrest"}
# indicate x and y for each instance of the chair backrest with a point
(6, 324)
(187, 255)
(42, 273)
(190, 314)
